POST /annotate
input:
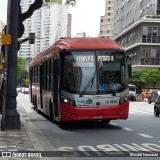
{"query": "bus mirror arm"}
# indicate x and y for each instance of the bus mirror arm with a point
(129, 70)
(129, 66)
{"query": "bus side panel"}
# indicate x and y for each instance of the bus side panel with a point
(70, 113)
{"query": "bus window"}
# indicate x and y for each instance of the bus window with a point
(78, 68)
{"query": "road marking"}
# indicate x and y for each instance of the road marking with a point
(131, 112)
(127, 129)
(114, 124)
(113, 147)
(145, 135)
(26, 107)
(142, 112)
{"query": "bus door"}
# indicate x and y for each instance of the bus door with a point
(56, 86)
(41, 84)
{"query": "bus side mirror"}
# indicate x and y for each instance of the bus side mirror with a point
(130, 70)
(129, 66)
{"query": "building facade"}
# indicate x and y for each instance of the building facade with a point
(106, 21)
(48, 23)
(137, 28)
(128, 12)
(1, 29)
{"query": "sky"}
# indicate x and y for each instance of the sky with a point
(85, 16)
(3, 10)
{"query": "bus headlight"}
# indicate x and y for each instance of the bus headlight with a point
(68, 101)
(123, 100)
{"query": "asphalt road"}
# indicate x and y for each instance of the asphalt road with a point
(139, 133)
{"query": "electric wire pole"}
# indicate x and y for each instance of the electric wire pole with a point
(12, 117)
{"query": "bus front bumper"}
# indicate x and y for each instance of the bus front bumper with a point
(71, 113)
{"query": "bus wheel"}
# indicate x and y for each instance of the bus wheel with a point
(51, 112)
(52, 115)
(149, 100)
(105, 121)
(36, 106)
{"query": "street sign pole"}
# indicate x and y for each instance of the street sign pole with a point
(12, 117)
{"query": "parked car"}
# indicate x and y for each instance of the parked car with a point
(157, 106)
(25, 90)
(153, 96)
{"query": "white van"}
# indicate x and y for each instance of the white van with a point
(132, 92)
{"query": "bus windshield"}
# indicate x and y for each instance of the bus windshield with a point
(93, 72)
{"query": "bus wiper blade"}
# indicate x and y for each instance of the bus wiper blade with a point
(113, 92)
(88, 84)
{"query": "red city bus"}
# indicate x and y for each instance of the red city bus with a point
(81, 79)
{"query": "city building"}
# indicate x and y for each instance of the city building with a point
(81, 34)
(106, 21)
(1, 57)
(48, 23)
(69, 25)
(137, 28)
(1, 29)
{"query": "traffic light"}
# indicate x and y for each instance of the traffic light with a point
(31, 38)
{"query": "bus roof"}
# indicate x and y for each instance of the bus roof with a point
(87, 43)
(79, 44)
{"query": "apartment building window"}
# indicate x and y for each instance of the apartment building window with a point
(151, 34)
(158, 7)
(156, 61)
(158, 53)
(109, 8)
(142, 62)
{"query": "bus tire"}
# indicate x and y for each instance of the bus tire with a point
(51, 112)
(36, 106)
(52, 115)
(156, 111)
(105, 121)
(149, 100)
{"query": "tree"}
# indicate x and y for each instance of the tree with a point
(151, 77)
(22, 73)
(137, 80)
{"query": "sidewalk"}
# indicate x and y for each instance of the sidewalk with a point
(19, 140)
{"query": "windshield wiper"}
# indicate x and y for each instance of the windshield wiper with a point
(88, 84)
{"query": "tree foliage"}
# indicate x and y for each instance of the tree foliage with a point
(22, 73)
(145, 79)
(137, 80)
(152, 77)
(38, 4)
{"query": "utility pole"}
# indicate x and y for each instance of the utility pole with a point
(12, 117)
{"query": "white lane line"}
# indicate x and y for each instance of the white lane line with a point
(127, 129)
(142, 112)
(130, 112)
(114, 124)
(145, 135)
(26, 107)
